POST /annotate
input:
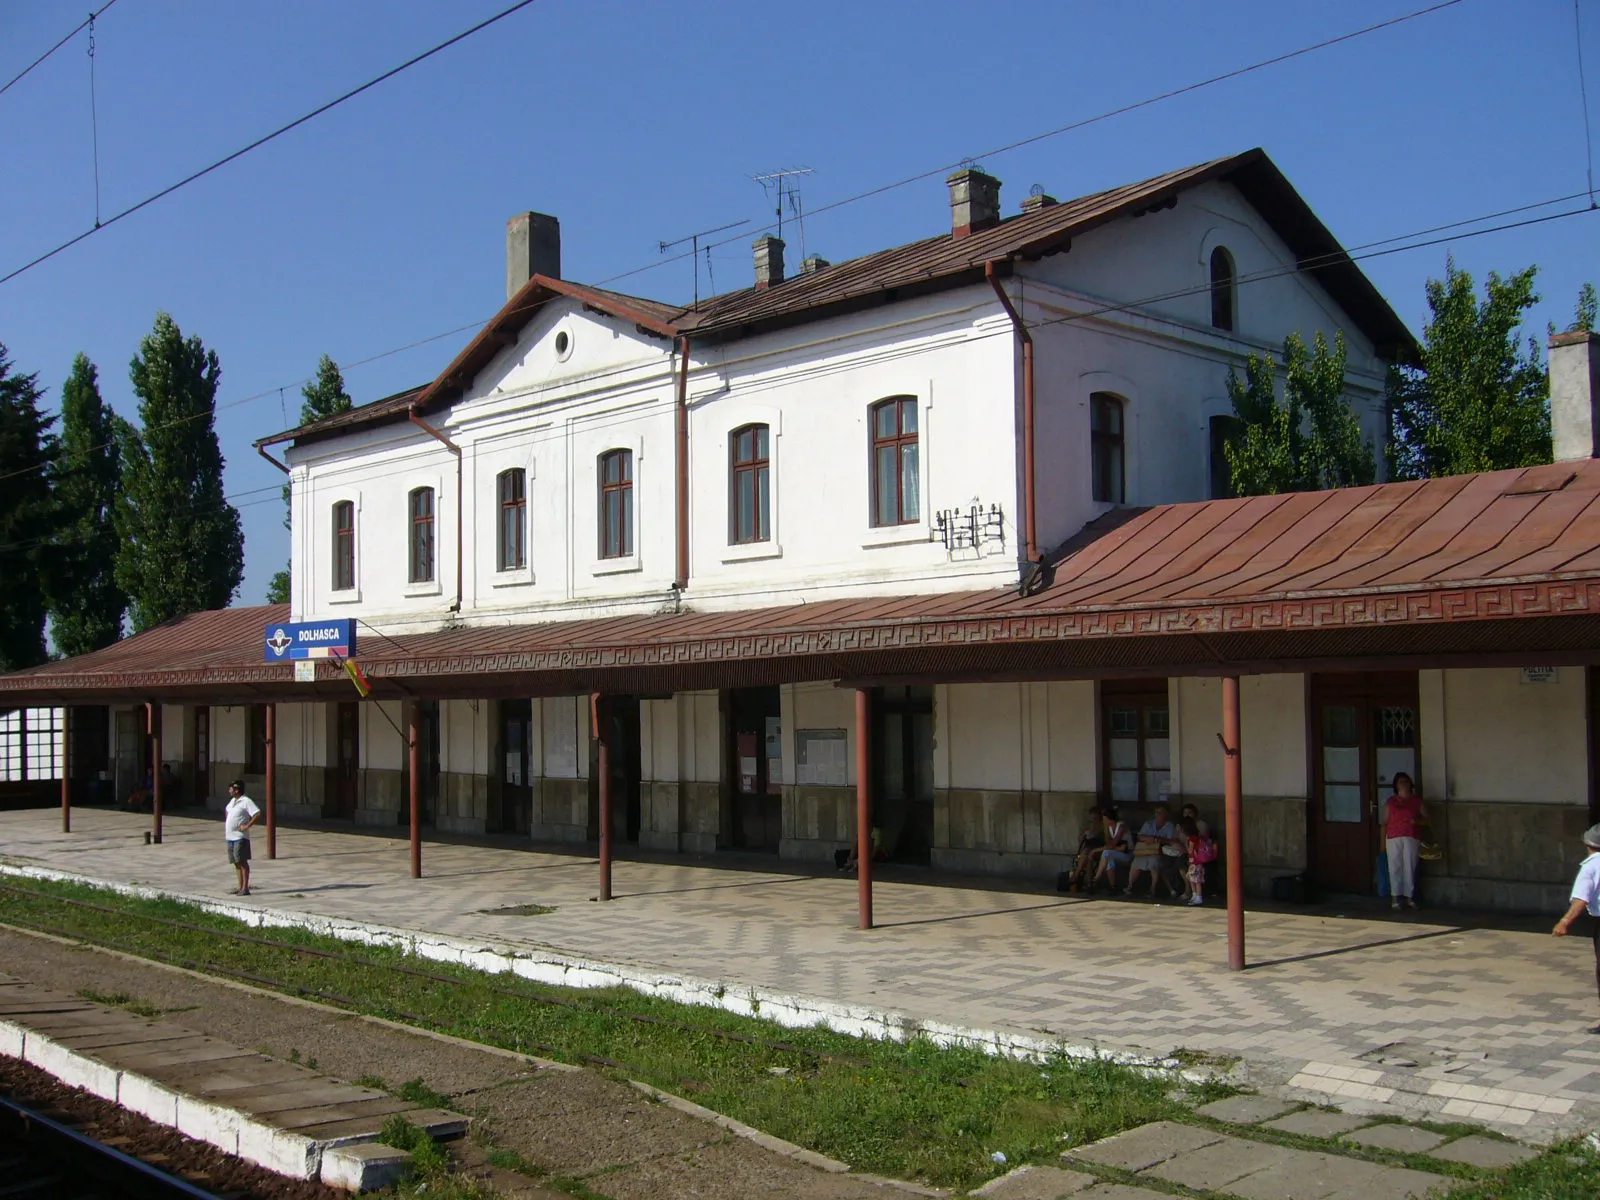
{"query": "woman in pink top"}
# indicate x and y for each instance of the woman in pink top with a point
(1402, 813)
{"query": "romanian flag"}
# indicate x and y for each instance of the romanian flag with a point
(357, 677)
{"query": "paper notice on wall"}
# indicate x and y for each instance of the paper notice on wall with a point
(821, 757)
(305, 670)
(561, 737)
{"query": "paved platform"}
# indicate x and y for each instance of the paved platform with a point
(279, 1115)
(1427, 1016)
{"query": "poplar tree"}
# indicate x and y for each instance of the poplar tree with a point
(323, 396)
(1480, 398)
(1309, 441)
(28, 518)
(182, 546)
(86, 605)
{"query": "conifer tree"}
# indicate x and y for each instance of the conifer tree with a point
(86, 605)
(324, 396)
(1311, 440)
(28, 518)
(182, 546)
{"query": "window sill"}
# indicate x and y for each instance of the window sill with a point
(430, 588)
(750, 551)
(617, 566)
(348, 596)
(522, 577)
(895, 535)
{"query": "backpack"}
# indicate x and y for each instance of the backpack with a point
(1205, 850)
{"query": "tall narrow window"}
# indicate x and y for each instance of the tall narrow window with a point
(616, 504)
(1222, 280)
(896, 480)
(750, 486)
(1223, 430)
(422, 535)
(344, 546)
(1105, 442)
(1135, 751)
(511, 486)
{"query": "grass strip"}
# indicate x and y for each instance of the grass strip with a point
(911, 1110)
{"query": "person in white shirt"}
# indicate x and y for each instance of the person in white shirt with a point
(1586, 899)
(237, 818)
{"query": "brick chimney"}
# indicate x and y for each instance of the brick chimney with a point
(812, 264)
(974, 202)
(533, 247)
(769, 262)
(1034, 203)
(1575, 395)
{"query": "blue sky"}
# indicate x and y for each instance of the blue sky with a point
(382, 223)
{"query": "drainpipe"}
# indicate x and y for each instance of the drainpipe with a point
(681, 583)
(1030, 531)
(456, 450)
(262, 450)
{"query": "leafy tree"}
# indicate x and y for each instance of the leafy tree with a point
(86, 605)
(28, 518)
(1587, 312)
(182, 547)
(1480, 399)
(1311, 440)
(324, 396)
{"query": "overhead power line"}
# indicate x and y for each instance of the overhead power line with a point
(76, 29)
(265, 138)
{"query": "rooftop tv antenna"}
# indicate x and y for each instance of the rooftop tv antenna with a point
(781, 187)
(695, 253)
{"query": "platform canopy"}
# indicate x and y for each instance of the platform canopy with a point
(1500, 567)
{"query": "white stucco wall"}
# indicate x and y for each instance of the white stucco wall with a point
(1272, 717)
(1505, 740)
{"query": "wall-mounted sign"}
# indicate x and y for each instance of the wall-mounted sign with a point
(311, 639)
(305, 670)
(1540, 674)
(822, 757)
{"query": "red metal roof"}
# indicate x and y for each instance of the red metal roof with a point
(1506, 562)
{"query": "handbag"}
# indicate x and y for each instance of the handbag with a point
(1431, 852)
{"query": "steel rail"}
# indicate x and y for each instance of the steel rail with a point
(76, 1155)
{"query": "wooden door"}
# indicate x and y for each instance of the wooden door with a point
(755, 743)
(1364, 728)
(516, 788)
(902, 763)
(347, 760)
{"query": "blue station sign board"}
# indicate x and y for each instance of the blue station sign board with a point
(311, 639)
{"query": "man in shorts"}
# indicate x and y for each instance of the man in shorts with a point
(237, 818)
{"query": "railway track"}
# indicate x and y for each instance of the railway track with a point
(42, 1158)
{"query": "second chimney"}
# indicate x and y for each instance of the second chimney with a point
(533, 247)
(769, 262)
(974, 202)
(1575, 395)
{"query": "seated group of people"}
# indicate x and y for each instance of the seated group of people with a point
(142, 798)
(1170, 854)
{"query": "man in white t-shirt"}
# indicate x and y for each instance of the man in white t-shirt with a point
(237, 818)
(1586, 899)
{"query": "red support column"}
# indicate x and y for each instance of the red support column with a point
(414, 763)
(66, 770)
(599, 718)
(864, 806)
(272, 780)
(1233, 818)
(152, 713)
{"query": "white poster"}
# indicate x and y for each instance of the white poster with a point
(561, 737)
(821, 757)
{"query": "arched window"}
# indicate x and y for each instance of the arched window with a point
(344, 546)
(1105, 443)
(510, 487)
(421, 508)
(896, 477)
(749, 485)
(1222, 287)
(616, 504)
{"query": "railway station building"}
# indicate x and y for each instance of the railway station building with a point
(939, 534)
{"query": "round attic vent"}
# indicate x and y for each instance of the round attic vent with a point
(563, 345)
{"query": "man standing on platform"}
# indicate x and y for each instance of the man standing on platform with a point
(1586, 898)
(240, 814)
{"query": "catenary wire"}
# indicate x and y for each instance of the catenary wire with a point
(1235, 73)
(265, 138)
(1583, 100)
(1376, 249)
(76, 29)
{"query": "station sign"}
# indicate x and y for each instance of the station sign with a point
(289, 640)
